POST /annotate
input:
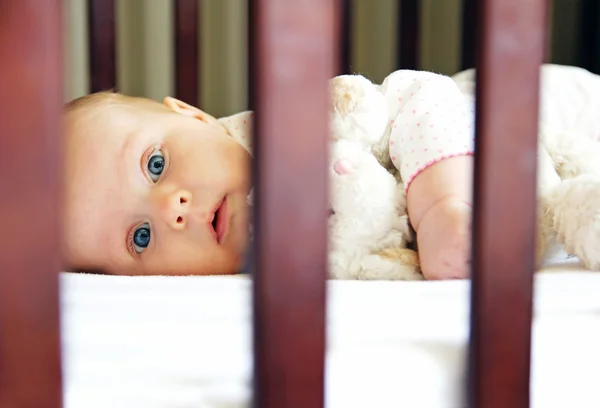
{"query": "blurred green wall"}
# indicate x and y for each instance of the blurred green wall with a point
(145, 50)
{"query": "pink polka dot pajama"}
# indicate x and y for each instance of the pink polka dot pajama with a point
(434, 121)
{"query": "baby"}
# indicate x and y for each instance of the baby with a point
(162, 188)
(152, 189)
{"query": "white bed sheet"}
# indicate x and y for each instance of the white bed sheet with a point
(185, 342)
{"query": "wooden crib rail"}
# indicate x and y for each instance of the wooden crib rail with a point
(409, 34)
(345, 46)
(511, 47)
(468, 34)
(102, 41)
(295, 54)
(187, 52)
(30, 168)
(102, 32)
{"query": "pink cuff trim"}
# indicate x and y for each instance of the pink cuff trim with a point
(431, 162)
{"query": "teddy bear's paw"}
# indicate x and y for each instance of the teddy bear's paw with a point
(343, 166)
(575, 206)
(359, 186)
(391, 264)
(352, 165)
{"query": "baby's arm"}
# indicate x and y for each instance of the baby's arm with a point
(439, 207)
(432, 146)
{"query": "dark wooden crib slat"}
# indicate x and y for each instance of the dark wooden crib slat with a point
(409, 34)
(251, 55)
(510, 51)
(295, 46)
(102, 45)
(30, 142)
(187, 53)
(468, 33)
(345, 64)
(589, 43)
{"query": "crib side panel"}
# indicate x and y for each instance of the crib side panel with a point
(30, 168)
(102, 42)
(295, 54)
(187, 52)
(345, 36)
(468, 33)
(409, 34)
(511, 48)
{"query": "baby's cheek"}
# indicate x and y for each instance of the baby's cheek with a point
(236, 164)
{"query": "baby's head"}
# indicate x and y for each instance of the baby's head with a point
(152, 188)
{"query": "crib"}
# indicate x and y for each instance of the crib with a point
(289, 271)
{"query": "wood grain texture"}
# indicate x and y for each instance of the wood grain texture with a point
(187, 52)
(30, 142)
(102, 37)
(511, 47)
(295, 46)
(409, 34)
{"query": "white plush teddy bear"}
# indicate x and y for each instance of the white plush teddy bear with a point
(368, 227)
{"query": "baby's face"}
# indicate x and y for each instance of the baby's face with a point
(156, 193)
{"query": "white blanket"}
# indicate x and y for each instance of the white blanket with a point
(186, 342)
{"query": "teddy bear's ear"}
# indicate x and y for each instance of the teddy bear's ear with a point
(184, 108)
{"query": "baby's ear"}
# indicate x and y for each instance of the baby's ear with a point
(179, 106)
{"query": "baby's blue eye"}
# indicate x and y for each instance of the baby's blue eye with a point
(141, 238)
(156, 165)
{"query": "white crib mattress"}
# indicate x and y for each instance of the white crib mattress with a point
(185, 342)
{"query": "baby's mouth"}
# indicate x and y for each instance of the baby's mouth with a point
(219, 222)
(214, 221)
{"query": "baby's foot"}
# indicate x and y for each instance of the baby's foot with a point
(444, 240)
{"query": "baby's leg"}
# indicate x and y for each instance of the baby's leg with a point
(439, 207)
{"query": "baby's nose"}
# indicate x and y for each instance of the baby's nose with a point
(175, 208)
